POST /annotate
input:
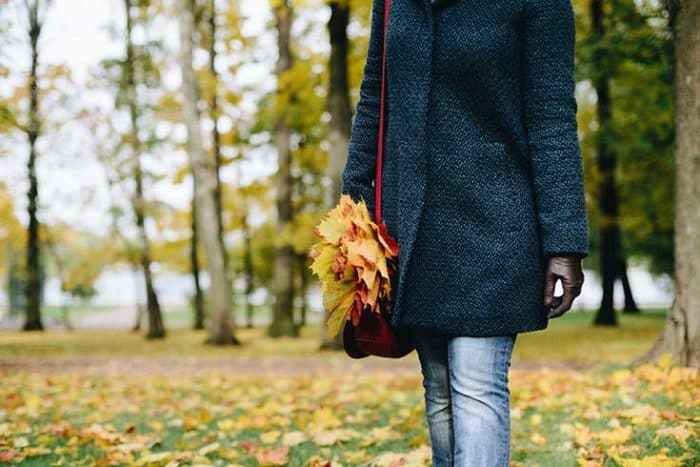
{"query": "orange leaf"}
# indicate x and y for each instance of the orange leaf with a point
(7, 456)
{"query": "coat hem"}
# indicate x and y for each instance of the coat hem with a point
(404, 327)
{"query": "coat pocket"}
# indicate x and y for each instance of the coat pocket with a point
(484, 185)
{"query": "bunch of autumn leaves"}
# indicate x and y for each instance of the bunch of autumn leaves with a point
(352, 260)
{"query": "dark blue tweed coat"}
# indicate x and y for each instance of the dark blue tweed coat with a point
(482, 176)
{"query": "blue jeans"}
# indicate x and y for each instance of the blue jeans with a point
(467, 400)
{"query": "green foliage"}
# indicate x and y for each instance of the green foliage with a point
(78, 258)
(11, 231)
(637, 56)
(263, 252)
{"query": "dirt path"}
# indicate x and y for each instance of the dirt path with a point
(288, 366)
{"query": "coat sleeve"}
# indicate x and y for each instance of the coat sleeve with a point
(550, 115)
(359, 172)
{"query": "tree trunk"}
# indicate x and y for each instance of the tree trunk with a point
(198, 299)
(631, 307)
(61, 270)
(215, 113)
(220, 294)
(607, 196)
(284, 266)
(156, 329)
(341, 114)
(247, 265)
(135, 270)
(126, 244)
(155, 318)
(303, 286)
(681, 335)
(338, 96)
(33, 267)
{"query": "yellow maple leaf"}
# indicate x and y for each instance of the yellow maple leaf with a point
(270, 436)
(582, 435)
(356, 457)
(616, 435)
(680, 433)
(335, 292)
(659, 460)
(278, 455)
(330, 437)
(339, 314)
(292, 438)
(323, 261)
(536, 419)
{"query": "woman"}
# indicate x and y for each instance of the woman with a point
(483, 190)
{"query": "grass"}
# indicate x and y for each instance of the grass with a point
(574, 338)
(178, 342)
(569, 338)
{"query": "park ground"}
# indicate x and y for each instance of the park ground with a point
(110, 397)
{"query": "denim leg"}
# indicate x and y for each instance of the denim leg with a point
(478, 369)
(431, 347)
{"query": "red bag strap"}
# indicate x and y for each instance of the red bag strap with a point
(382, 106)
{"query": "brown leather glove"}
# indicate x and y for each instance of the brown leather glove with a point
(568, 270)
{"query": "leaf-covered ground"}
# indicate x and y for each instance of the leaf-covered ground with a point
(114, 398)
(348, 414)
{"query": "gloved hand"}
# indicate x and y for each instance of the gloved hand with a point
(568, 270)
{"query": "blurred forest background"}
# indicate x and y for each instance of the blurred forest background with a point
(164, 162)
(162, 166)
